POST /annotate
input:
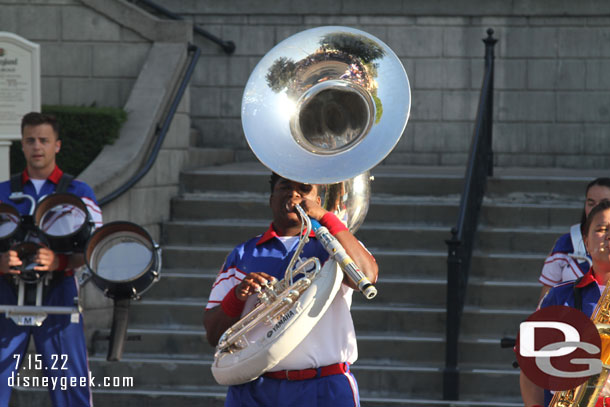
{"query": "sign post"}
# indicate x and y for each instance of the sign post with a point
(19, 90)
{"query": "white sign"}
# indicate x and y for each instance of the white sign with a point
(19, 89)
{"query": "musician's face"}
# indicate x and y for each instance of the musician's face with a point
(285, 195)
(597, 239)
(595, 195)
(40, 144)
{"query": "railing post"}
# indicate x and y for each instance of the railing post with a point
(490, 44)
(460, 246)
(451, 374)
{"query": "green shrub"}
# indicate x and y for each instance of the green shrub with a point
(83, 131)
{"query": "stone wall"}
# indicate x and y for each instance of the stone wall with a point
(551, 100)
(552, 104)
(93, 52)
(111, 53)
(86, 58)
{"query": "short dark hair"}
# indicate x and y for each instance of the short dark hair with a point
(36, 119)
(602, 182)
(602, 206)
(273, 179)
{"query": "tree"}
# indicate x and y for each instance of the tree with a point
(280, 74)
(360, 46)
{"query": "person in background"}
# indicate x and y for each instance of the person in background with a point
(60, 338)
(568, 258)
(583, 293)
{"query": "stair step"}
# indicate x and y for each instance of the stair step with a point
(392, 290)
(153, 396)
(389, 235)
(389, 318)
(414, 320)
(394, 263)
(253, 177)
(431, 212)
(409, 180)
(387, 347)
(174, 341)
(196, 397)
(189, 343)
(210, 156)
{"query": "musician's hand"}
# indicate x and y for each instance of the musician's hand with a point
(252, 284)
(313, 208)
(8, 260)
(47, 260)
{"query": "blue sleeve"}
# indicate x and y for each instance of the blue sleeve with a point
(5, 191)
(563, 245)
(549, 299)
(563, 294)
(558, 295)
(82, 190)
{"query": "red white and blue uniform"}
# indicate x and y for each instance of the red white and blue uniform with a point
(563, 294)
(58, 335)
(566, 261)
(331, 342)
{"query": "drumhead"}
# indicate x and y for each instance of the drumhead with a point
(122, 256)
(60, 215)
(124, 260)
(10, 220)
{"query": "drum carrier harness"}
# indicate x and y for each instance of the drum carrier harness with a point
(29, 310)
(62, 185)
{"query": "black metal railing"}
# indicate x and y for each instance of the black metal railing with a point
(227, 46)
(161, 130)
(479, 167)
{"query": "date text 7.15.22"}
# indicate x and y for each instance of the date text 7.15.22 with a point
(34, 362)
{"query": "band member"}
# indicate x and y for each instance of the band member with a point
(568, 258)
(583, 293)
(60, 338)
(317, 372)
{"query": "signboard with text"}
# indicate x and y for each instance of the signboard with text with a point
(19, 82)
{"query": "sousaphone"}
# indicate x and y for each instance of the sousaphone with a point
(324, 106)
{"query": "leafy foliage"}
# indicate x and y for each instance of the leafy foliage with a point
(363, 48)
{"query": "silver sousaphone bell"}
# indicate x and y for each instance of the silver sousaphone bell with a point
(323, 106)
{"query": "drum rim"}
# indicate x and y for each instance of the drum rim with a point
(105, 232)
(14, 211)
(50, 198)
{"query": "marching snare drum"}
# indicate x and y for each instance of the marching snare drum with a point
(124, 259)
(10, 227)
(64, 221)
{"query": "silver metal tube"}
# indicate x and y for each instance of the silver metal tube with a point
(349, 267)
(302, 241)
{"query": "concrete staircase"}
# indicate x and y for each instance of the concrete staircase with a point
(401, 332)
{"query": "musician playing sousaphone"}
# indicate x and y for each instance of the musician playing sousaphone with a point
(584, 294)
(317, 372)
(320, 109)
